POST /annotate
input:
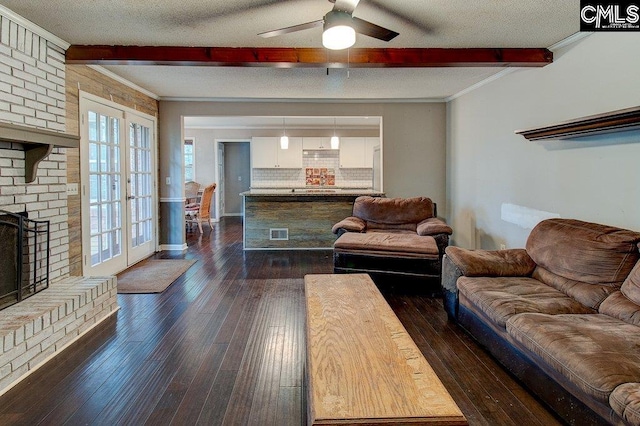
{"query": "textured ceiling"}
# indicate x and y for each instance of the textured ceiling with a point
(421, 23)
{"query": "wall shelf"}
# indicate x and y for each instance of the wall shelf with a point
(37, 144)
(614, 121)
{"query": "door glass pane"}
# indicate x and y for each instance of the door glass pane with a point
(93, 157)
(140, 179)
(104, 188)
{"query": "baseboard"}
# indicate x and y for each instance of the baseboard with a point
(173, 247)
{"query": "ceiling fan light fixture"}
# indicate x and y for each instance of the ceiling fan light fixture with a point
(338, 32)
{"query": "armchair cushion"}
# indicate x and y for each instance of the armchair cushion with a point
(432, 226)
(351, 224)
(502, 263)
(381, 243)
(383, 213)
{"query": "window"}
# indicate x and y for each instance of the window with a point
(189, 170)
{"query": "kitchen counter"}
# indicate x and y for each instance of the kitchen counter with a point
(299, 218)
(318, 192)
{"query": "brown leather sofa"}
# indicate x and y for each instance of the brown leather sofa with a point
(391, 236)
(563, 315)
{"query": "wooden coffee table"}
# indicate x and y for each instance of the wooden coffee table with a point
(362, 366)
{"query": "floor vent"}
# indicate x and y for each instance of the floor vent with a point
(278, 234)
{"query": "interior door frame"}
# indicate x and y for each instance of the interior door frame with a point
(217, 169)
(83, 98)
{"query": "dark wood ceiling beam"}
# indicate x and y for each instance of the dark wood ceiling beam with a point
(307, 57)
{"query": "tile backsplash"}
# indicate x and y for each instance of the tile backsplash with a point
(330, 159)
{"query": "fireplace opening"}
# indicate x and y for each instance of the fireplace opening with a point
(24, 257)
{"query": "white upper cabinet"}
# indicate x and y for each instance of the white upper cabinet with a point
(267, 154)
(352, 153)
(290, 158)
(316, 143)
(357, 153)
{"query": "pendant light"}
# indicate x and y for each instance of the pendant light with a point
(335, 140)
(284, 140)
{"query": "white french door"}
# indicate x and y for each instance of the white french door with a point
(117, 158)
(140, 189)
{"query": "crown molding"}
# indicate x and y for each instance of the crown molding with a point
(305, 100)
(124, 81)
(573, 38)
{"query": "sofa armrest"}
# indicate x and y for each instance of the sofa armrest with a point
(433, 226)
(494, 263)
(349, 224)
(450, 275)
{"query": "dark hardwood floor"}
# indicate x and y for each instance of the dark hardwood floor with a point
(225, 345)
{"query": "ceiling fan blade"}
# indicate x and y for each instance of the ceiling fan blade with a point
(345, 5)
(372, 30)
(414, 21)
(292, 29)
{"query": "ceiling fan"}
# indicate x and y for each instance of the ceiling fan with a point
(339, 27)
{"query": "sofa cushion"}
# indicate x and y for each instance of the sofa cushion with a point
(631, 286)
(499, 298)
(619, 306)
(590, 295)
(584, 251)
(403, 244)
(625, 303)
(594, 352)
(625, 401)
(491, 263)
(392, 213)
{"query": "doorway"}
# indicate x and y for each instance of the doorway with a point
(234, 168)
(119, 219)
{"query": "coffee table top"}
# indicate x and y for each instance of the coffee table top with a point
(362, 365)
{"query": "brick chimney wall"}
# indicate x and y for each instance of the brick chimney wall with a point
(32, 93)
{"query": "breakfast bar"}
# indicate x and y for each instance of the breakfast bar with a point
(295, 218)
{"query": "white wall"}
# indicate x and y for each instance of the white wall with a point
(488, 165)
(205, 156)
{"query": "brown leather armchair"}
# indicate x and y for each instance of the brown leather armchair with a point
(391, 236)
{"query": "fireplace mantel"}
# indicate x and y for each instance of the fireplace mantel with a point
(37, 144)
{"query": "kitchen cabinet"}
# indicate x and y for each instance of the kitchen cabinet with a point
(357, 152)
(316, 143)
(267, 154)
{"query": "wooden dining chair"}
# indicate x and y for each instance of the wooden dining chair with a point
(201, 212)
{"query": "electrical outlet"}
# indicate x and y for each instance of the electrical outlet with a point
(168, 180)
(503, 247)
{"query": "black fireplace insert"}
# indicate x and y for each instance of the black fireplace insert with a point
(24, 257)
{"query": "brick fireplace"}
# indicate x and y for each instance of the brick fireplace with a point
(32, 96)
